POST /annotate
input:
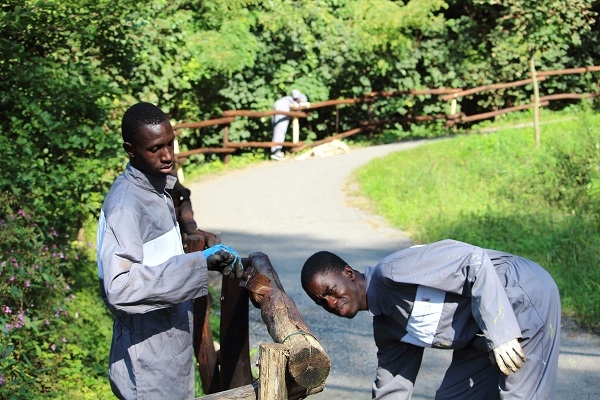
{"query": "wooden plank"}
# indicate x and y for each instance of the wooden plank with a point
(207, 360)
(235, 347)
(250, 392)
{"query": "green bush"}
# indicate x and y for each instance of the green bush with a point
(52, 339)
(35, 293)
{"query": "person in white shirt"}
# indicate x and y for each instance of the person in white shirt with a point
(282, 121)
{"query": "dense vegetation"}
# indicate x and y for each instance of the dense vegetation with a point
(497, 191)
(69, 69)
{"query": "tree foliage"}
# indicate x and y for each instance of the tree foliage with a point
(70, 68)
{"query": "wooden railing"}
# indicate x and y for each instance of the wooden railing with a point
(452, 118)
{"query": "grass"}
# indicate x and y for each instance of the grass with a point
(498, 191)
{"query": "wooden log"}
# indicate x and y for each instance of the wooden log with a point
(240, 145)
(250, 113)
(185, 154)
(271, 365)
(569, 96)
(490, 114)
(308, 363)
(246, 392)
(203, 124)
(342, 135)
(581, 70)
(492, 86)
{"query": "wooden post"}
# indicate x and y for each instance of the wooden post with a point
(180, 176)
(235, 344)
(370, 119)
(295, 130)
(337, 118)
(226, 157)
(272, 364)
(536, 103)
(206, 357)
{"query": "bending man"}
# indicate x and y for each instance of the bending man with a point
(499, 313)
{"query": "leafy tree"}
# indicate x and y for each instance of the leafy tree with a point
(54, 107)
(492, 41)
(70, 68)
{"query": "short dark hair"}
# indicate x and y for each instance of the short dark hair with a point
(321, 262)
(138, 115)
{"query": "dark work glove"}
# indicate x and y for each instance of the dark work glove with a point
(225, 260)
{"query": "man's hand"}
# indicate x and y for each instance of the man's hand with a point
(509, 356)
(225, 260)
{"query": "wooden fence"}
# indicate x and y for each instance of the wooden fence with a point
(452, 118)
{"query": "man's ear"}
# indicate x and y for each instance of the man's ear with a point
(128, 147)
(349, 272)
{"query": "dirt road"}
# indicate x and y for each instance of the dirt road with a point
(291, 209)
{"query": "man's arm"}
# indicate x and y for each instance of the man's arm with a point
(134, 287)
(398, 362)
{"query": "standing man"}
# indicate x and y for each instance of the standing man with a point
(499, 313)
(282, 121)
(146, 280)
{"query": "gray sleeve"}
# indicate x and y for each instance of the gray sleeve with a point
(132, 287)
(463, 269)
(398, 363)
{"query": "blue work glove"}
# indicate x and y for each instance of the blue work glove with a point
(225, 260)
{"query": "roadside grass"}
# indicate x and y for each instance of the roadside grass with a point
(496, 190)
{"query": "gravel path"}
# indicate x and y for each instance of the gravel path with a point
(292, 209)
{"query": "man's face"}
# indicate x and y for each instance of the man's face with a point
(338, 293)
(153, 150)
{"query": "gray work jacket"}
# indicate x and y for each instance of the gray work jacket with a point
(148, 283)
(446, 295)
